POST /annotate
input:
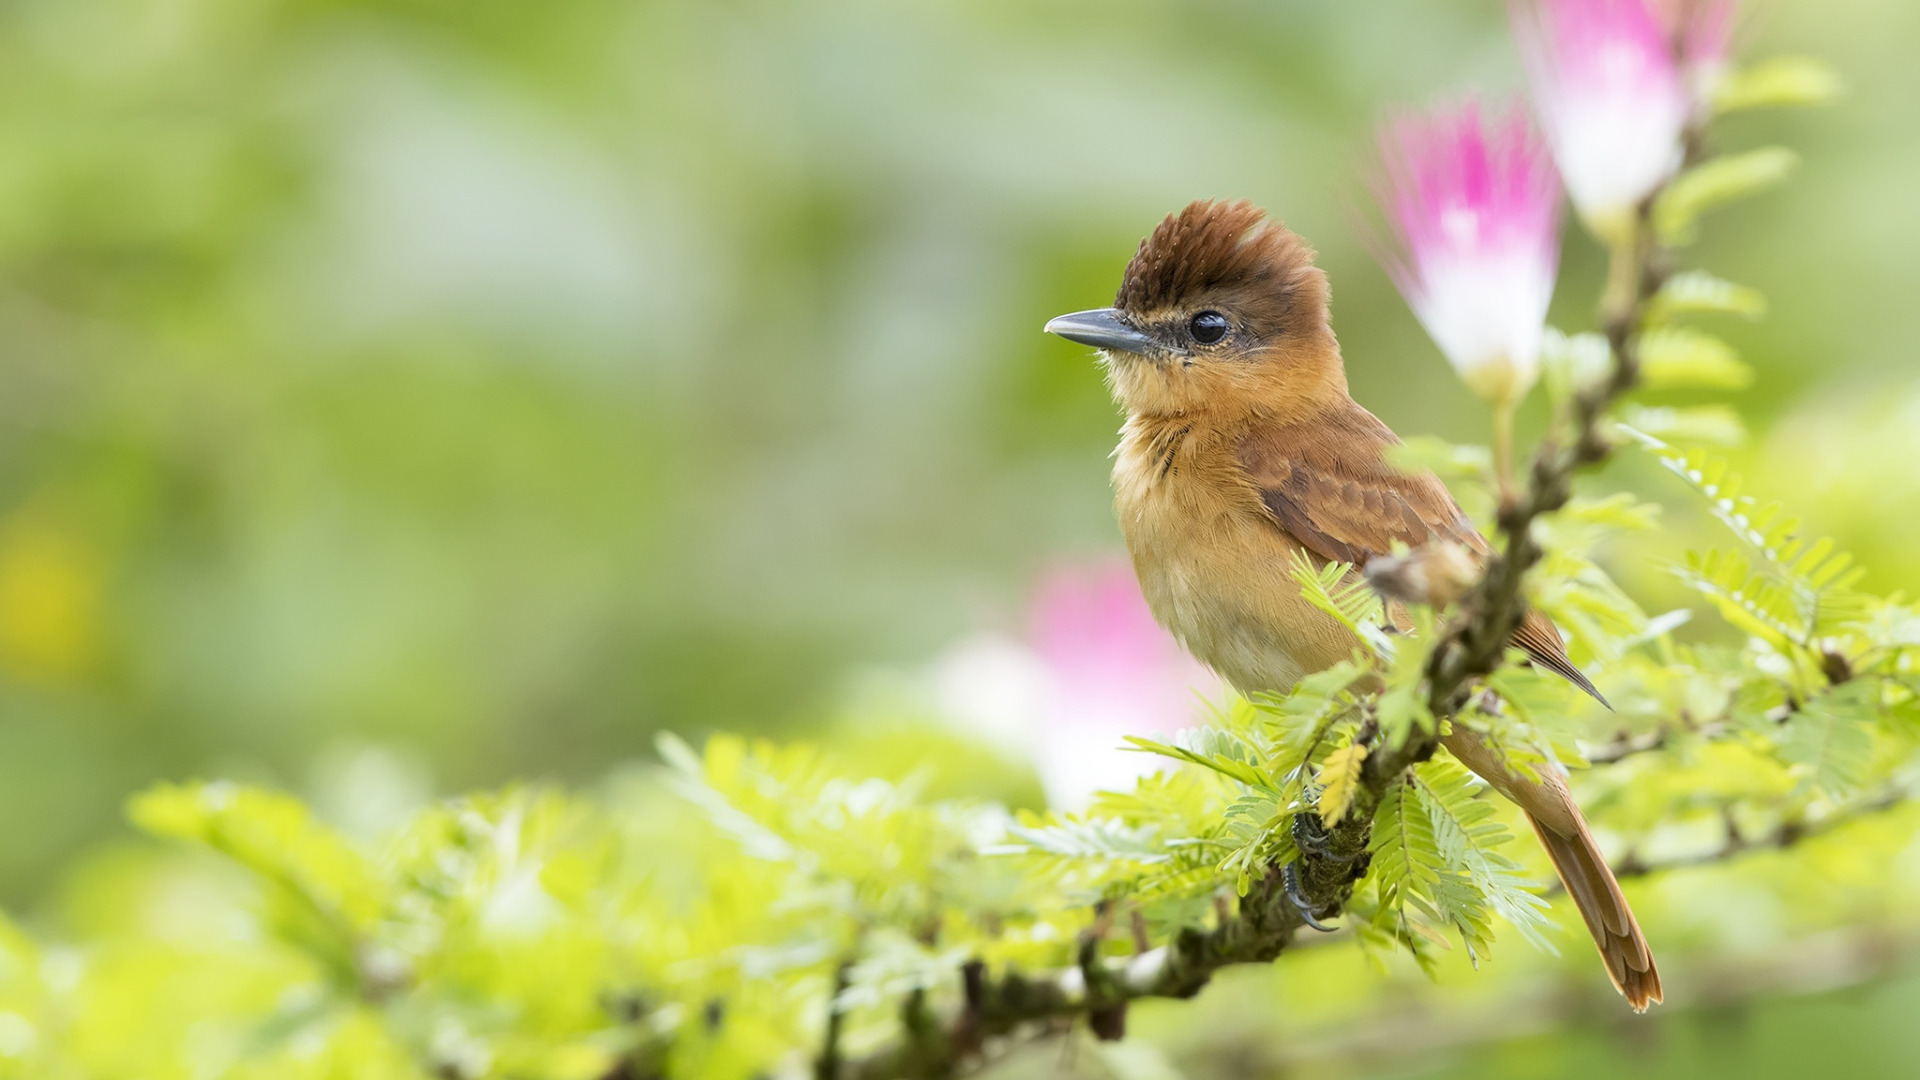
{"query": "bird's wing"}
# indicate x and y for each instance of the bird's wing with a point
(1329, 486)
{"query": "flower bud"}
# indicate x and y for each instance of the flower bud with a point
(1435, 574)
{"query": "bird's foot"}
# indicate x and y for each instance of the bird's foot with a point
(1297, 896)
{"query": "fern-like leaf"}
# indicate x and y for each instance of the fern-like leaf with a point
(1338, 591)
(1792, 590)
(1225, 752)
(1339, 779)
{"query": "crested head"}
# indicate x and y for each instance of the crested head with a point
(1221, 311)
(1213, 246)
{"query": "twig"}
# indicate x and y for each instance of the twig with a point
(1395, 1032)
(998, 1007)
(1624, 746)
(1786, 835)
(827, 1067)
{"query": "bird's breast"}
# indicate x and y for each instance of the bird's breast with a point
(1214, 567)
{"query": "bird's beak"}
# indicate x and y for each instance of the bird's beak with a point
(1103, 328)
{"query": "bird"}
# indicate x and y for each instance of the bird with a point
(1241, 446)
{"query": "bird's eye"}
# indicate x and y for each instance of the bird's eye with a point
(1208, 327)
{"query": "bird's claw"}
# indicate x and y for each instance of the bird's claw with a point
(1310, 837)
(1290, 881)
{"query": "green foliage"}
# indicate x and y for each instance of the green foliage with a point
(1694, 291)
(1676, 215)
(1685, 359)
(1777, 81)
(1340, 592)
(1829, 740)
(1710, 425)
(1580, 597)
(324, 896)
(1436, 866)
(1777, 586)
(711, 932)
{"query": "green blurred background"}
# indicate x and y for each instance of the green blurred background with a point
(404, 396)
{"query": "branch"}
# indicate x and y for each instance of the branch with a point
(1395, 1032)
(1476, 642)
(1264, 927)
(1624, 746)
(1787, 834)
(827, 1066)
(996, 1007)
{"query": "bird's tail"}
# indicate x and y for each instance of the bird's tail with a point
(1578, 861)
(1595, 891)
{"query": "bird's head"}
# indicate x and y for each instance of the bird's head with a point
(1221, 310)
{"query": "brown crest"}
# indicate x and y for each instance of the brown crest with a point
(1211, 245)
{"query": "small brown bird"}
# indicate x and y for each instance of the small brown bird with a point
(1241, 446)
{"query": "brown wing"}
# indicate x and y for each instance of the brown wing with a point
(1328, 484)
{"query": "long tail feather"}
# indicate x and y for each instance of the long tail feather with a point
(1578, 861)
(1595, 891)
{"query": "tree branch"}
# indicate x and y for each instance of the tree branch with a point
(1624, 746)
(1263, 928)
(1783, 836)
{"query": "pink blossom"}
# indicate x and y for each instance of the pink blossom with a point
(1094, 668)
(1612, 98)
(1475, 209)
(1702, 31)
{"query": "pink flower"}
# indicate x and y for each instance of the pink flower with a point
(1612, 97)
(1475, 209)
(1095, 667)
(1702, 31)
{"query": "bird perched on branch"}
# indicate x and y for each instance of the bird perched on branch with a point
(1241, 447)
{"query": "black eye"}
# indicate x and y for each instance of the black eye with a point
(1208, 327)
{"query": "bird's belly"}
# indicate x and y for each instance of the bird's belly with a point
(1232, 602)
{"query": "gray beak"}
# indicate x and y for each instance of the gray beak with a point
(1104, 328)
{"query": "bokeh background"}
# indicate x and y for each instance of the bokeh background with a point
(400, 397)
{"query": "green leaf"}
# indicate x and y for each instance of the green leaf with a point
(1692, 291)
(1577, 359)
(1468, 836)
(1830, 738)
(1340, 592)
(1310, 720)
(1402, 710)
(1225, 752)
(1710, 425)
(1676, 215)
(1775, 82)
(1678, 358)
(330, 899)
(1619, 510)
(1535, 719)
(1405, 855)
(1757, 605)
(1401, 705)
(1088, 838)
(1793, 589)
